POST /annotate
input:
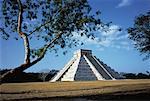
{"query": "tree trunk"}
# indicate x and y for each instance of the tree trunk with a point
(23, 35)
(6, 77)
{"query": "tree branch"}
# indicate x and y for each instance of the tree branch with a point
(23, 35)
(59, 11)
(39, 27)
(45, 48)
(19, 17)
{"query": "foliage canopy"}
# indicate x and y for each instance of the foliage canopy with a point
(140, 34)
(44, 19)
(53, 22)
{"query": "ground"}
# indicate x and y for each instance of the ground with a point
(77, 91)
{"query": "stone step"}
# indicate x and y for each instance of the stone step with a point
(98, 67)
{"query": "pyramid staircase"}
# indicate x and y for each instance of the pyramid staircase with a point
(85, 67)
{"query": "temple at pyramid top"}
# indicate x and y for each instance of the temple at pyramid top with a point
(83, 52)
(84, 66)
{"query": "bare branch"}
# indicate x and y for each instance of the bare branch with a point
(23, 35)
(19, 17)
(27, 48)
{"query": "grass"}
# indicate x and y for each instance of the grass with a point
(47, 90)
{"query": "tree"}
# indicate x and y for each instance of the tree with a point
(53, 22)
(44, 76)
(129, 75)
(140, 33)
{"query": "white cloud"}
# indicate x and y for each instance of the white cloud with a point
(112, 38)
(112, 29)
(124, 3)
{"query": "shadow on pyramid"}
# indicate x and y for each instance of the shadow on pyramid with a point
(85, 67)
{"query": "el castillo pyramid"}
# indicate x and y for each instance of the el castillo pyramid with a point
(85, 67)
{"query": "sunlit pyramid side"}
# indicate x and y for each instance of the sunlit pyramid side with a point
(85, 67)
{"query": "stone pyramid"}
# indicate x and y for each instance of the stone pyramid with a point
(85, 67)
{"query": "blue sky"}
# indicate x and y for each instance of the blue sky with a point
(115, 49)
